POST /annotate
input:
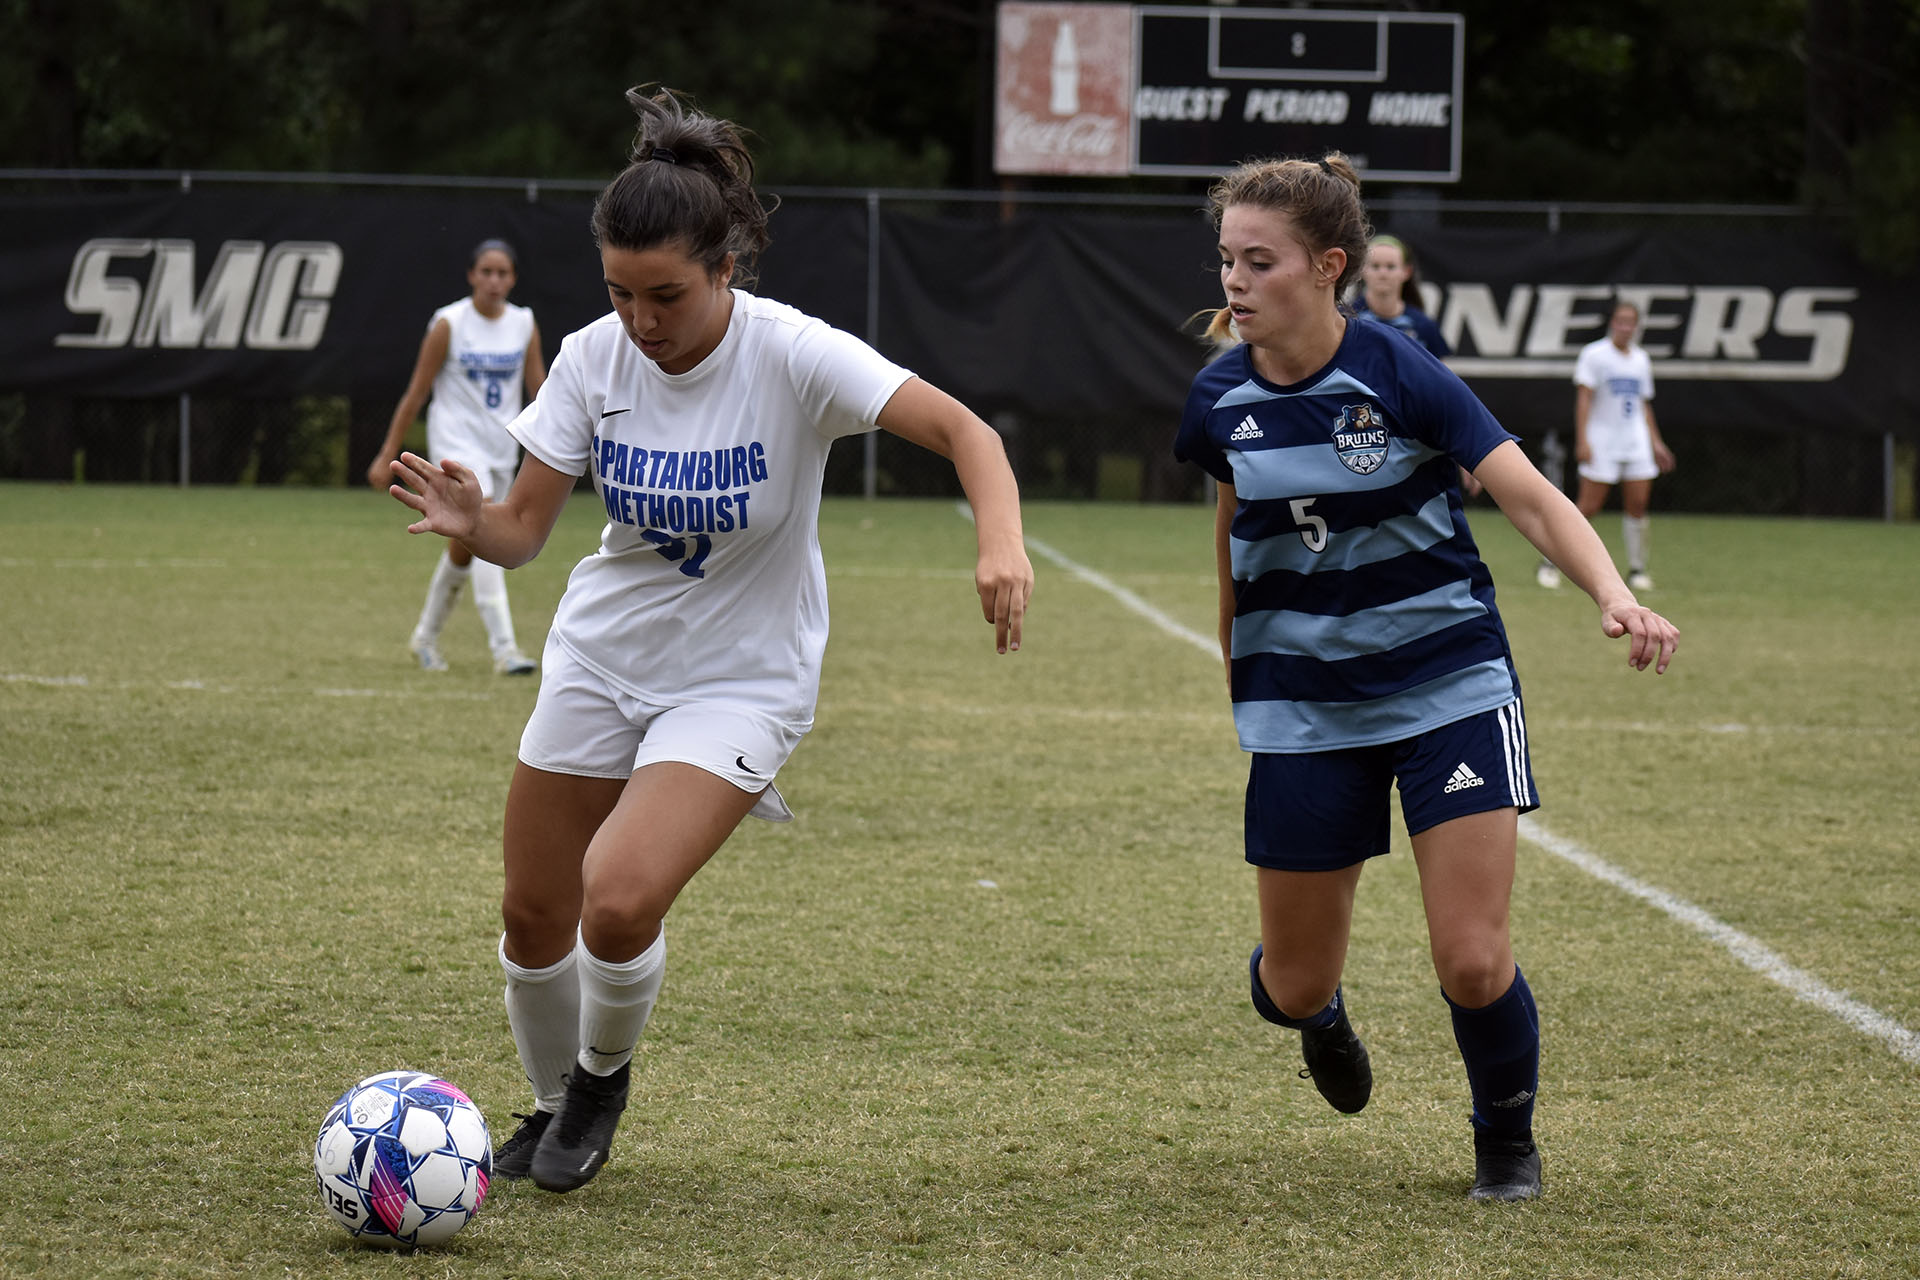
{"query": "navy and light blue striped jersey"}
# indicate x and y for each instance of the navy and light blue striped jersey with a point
(1413, 322)
(1363, 612)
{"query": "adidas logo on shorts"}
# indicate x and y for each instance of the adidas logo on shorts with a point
(1247, 430)
(1463, 778)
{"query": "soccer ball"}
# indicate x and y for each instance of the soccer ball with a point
(403, 1159)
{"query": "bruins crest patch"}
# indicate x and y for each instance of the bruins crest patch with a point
(1360, 438)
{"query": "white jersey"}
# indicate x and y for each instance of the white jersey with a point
(708, 582)
(1622, 383)
(480, 388)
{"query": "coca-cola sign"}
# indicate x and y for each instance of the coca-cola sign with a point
(1096, 89)
(1063, 90)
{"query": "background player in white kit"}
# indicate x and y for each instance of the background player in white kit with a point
(1615, 439)
(683, 663)
(480, 357)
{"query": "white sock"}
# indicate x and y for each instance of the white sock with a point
(543, 1008)
(442, 591)
(615, 1001)
(490, 598)
(1633, 530)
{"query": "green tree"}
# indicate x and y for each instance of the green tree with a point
(1633, 100)
(1712, 100)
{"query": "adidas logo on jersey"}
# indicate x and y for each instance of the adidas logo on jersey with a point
(1463, 778)
(1247, 430)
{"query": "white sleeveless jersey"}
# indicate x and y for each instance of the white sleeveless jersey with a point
(708, 583)
(1622, 383)
(479, 390)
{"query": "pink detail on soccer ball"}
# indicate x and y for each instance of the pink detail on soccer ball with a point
(388, 1198)
(481, 1195)
(452, 1091)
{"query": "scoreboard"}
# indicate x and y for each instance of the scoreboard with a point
(1111, 89)
(1215, 87)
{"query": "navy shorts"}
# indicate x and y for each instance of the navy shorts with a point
(1323, 810)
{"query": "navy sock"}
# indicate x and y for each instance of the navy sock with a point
(1501, 1047)
(1263, 1004)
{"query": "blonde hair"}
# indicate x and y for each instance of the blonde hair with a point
(1410, 294)
(1320, 197)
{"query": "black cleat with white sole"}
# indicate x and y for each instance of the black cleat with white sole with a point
(580, 1138)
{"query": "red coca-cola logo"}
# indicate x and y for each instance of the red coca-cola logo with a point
(1065, 74)
(1086, 135)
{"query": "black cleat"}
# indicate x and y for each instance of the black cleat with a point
(1504, 1168)
(1337, 1064)
(573, 1149)
(514, 1157)
(1336, 1060)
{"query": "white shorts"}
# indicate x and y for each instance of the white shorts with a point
(582, 725)
(494, 483)
(1617, 458)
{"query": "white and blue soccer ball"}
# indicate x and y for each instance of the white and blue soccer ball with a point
(403, 1159)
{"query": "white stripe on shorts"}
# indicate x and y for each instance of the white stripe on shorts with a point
(1513, 735)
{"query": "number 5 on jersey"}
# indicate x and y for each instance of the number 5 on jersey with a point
(1313, 529)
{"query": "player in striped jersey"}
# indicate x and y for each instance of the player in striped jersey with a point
(1362, 642)
(1391, 294)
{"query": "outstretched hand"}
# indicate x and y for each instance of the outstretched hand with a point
(447, 496)
(1004, 579)
(1652, 639)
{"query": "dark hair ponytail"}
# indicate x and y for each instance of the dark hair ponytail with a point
(485, 247)
(689, 179)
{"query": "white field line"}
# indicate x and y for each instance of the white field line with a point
(1743, 947)
(1208, 645)
(1029, 711)
(258, 691)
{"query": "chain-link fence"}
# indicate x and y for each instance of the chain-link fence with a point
(1758, 467)
(1758, 470)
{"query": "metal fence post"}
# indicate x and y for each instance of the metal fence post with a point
(1886, 474)
(186, 399)
(870, 442)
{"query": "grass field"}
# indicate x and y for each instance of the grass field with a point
(981, 1010)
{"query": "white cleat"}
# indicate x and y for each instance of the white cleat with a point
(1639, 580)
(1547, 576)
(428, 652)
(514, 663)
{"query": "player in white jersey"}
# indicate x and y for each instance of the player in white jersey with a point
(480, 361)
(1363, 647)
(683, 662)
(1615, 438)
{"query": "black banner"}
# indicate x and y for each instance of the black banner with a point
(1051, 314)
(1776, 330)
